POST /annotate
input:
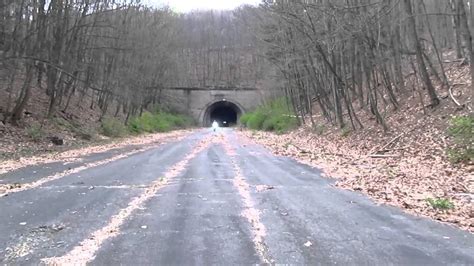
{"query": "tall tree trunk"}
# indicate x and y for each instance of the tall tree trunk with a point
(419, 55)
(20, 106)
(457, 29)
(467, 38)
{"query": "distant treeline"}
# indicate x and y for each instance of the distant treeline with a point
(115, 55)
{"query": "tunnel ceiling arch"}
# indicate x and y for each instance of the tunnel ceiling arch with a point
(226, 113)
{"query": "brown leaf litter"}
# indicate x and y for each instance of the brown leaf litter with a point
(406, 180)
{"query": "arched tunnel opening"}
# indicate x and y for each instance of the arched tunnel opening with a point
(226, 113)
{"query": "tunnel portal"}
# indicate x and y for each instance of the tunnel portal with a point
(222, 103)
(226, 113)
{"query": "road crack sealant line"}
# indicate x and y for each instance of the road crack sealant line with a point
(250, 213)
(86, 250)
(42, 181)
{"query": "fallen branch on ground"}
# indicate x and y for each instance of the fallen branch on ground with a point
(453, 98)
(300, 149)
(384, 156)
(390, 143)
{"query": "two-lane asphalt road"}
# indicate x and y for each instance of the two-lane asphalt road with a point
(208, 199)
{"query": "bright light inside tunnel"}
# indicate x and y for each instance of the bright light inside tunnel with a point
(224, 115)
(224, 112)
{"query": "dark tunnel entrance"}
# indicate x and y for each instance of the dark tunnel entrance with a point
(226, 113)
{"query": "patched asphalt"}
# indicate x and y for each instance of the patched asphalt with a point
(197, 218)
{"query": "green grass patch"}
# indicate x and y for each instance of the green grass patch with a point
(275, 116)
(35, 132)
(440, 204)
(462, 132)
(245, 118)
(146, 123)
(256, 120)
(158, 122)
(114, 128)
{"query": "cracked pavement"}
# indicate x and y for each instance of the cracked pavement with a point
(208, 199)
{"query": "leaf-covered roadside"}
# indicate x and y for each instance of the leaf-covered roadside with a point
(408, 179)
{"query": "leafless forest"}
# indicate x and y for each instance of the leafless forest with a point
(375, 93)
(343, 54)
(334, 57)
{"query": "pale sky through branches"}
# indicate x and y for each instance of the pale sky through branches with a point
(190, 5)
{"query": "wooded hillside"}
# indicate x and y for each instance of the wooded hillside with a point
(334, 58)
(339, 56)
(115, 53)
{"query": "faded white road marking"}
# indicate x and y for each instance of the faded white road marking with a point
(92, 187)
(44, 180)
(86, 251)
(250, 213)
(77, 154)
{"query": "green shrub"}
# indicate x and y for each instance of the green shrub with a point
(280, 123)
(148, 122)
(176, 121)
(274, 116)
(256, 120)
(245, 118)
(158, 122)
(269, 124)
(458, 155)
(134, 126)
(161, 124)
(112, 127)
(286, 123)
(462, 127)
(440, 204)
(35, 132)
(462, 131)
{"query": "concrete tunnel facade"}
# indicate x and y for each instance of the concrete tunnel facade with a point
(205, 105)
